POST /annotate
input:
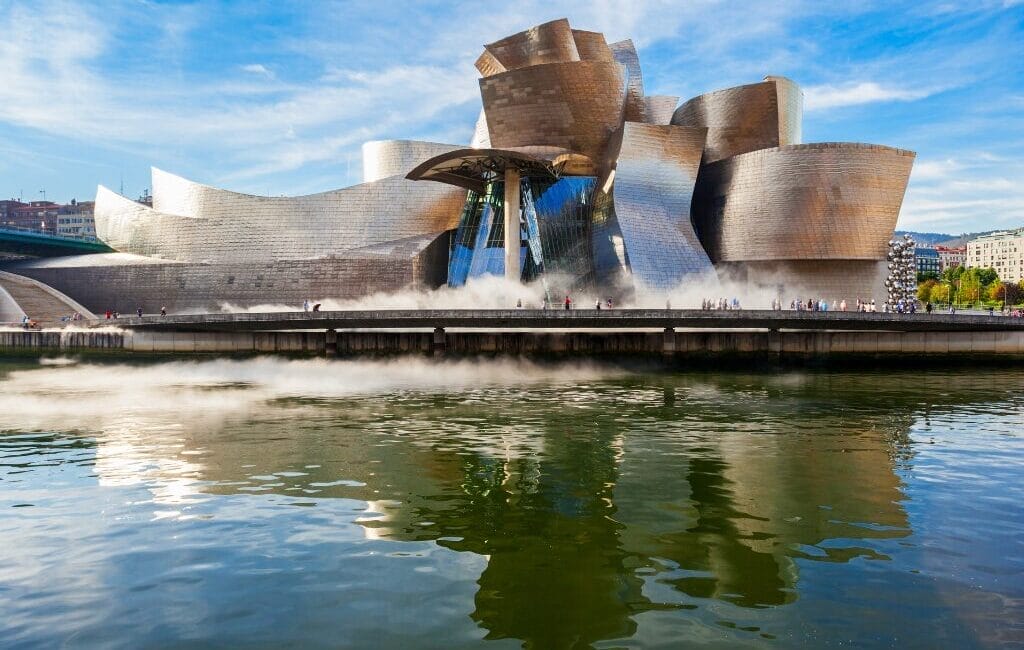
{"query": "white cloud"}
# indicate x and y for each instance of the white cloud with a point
(855, 93)
(971, 192)
(257, 69)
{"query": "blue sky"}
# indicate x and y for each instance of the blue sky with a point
(277, 97)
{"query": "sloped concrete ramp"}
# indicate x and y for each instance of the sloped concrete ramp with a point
(21, 296)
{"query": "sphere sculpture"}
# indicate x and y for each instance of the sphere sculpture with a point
(901, 283)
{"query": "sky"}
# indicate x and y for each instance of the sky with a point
(275, 97)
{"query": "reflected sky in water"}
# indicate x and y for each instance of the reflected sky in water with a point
(501, 503)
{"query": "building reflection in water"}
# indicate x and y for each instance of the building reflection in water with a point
(593, 504)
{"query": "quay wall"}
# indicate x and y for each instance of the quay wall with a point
(721, 343)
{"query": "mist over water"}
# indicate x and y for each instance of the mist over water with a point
(495, 292)
(417, 503)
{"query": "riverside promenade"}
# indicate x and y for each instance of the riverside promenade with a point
(668, 334)
(554, 319)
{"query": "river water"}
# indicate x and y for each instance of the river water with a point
(407, 504)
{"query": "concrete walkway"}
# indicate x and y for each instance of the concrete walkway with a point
(582, 319)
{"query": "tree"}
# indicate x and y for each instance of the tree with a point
(923, 276)
(927, 290)
(953, 273)
(987, 276)
(1011, 293)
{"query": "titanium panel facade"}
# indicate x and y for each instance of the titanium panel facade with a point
(658, 109)
(745, 118)
(655, 172)
(625, 53)
(574, 106)
(126, 282)
(827, 201)
(550, 42)
(383, 158)
(592, 46)
(212, 224)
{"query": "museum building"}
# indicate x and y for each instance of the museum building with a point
(574, 178)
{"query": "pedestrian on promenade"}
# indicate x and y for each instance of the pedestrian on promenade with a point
(139, 312)
(568, 303)
(519, 304)
(163, 311)
(928, 307)
(305, 305)
(598, 304)
(873, 307)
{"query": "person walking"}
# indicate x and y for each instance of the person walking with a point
(928, 307)
(163, 311)
(598, 305)
(568, 302)
(139, 312)
(305, 305)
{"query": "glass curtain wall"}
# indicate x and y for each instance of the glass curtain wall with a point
(555, 231)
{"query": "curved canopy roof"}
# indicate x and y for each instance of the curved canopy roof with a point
(474, 168)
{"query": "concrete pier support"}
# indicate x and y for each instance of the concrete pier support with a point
(512, 237)
(668, 343)
(331, 347)
(440, 344)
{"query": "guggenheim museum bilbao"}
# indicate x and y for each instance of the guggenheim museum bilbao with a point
(574, 177)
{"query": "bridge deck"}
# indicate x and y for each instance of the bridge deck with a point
(619, 319)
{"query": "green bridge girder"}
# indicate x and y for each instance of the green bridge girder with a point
(37, 244)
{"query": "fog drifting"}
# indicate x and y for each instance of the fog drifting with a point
(63, 395)
(495, 292)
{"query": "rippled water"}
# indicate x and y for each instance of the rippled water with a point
(268, 502)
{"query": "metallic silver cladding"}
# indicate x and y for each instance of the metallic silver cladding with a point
(823, 201)
(745, 118)
(383, 158)
(212, 224)
(658, 109)
(625, 53)
(655, 172)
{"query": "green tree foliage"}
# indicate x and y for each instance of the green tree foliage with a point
(986, 276)
(952, 274)
(927, 289)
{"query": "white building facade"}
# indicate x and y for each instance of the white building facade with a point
(1002, 251)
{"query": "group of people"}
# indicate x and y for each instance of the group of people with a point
(710, 304)
(820, 304)
(114, 314)
(307, 307)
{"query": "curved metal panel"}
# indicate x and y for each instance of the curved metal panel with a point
(227, 226)
(745, 118)
(550, 42)
(791, 110)
(658, 109)
(383, 158)
(654, 179)
(625, 53)
(814, 201)
(592, 46)
(575, 105)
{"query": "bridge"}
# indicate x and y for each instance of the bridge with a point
(40, 244)
(579, 319)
